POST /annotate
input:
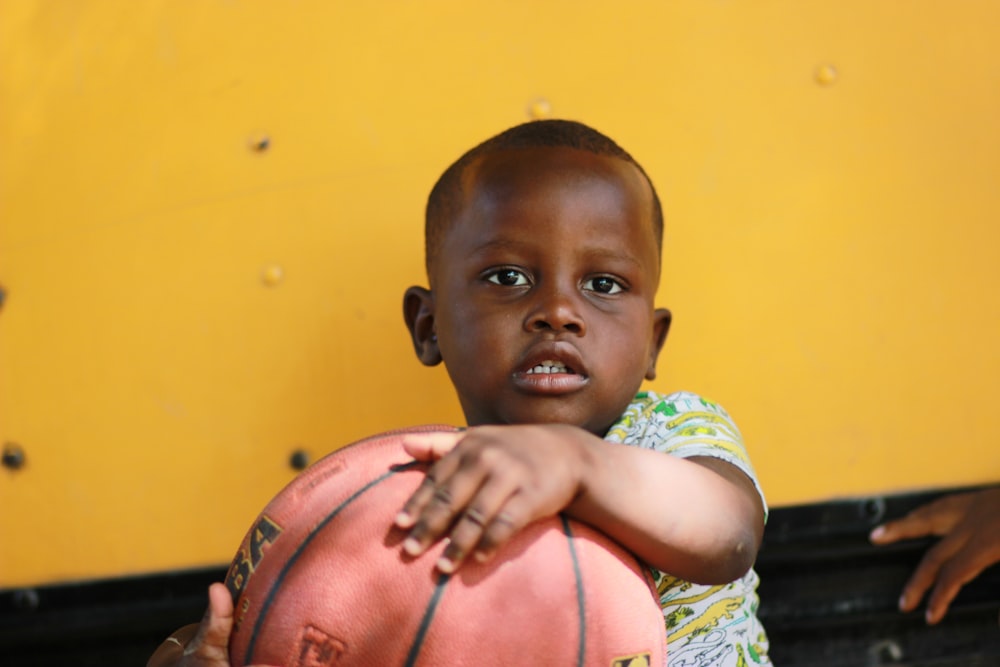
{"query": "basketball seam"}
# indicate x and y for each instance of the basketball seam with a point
(425, 622)
(272, 591)
(581, 605)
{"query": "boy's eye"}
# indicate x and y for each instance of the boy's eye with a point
(603, 285)
(508, 278)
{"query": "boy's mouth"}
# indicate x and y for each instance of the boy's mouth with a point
(549, 367)
(555, 371)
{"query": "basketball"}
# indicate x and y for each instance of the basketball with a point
(321, 579)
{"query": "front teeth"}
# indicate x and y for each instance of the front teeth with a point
(548, 367)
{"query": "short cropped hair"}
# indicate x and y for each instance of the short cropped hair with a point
(447, 198)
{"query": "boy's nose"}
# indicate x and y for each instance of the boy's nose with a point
(556, 310)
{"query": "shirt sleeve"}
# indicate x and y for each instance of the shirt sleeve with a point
(685, 425)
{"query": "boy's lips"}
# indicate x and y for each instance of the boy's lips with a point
(553, 368)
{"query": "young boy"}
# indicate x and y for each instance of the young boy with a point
(543, 259)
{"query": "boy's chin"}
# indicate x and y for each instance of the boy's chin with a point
(556, 414)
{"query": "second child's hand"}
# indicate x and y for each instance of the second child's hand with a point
(486, 484)
(969, 526)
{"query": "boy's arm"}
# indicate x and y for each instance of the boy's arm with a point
(699, 519)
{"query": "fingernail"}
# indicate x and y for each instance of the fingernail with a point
(877, 533)
(446, 565)
(403, 520)
(902, 603)
(412, 546)
(929, 617)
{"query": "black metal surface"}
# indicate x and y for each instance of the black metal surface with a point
(106, 623)
(828, 599)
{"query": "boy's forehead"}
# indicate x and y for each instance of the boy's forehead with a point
(510, 177)
(523, 166)
(504, 176)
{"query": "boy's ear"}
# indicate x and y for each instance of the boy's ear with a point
(661, 325)
(418, 311)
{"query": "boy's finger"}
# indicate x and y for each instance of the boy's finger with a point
(482, 511)
(515, 515)
(927, 573)
(430, 446)
(936, 518)
(448, 498)
(967, 564)
(211, 642)
(944, 592)
(915, 524)
(433, 522)
(415, 505)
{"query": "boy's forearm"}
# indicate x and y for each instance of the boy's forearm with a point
(698, 519)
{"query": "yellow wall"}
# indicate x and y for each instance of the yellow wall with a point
(183, 310)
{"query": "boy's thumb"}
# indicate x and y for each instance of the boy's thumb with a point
(211, 642)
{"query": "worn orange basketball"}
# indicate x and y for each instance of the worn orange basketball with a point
(321, 579)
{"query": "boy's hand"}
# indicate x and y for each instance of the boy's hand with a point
(204, 645)
(969, 524)
(487, 484)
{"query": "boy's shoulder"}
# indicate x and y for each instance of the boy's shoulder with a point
(675, 403)
(681, 421)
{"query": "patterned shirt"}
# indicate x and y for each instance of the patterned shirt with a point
(707, 626)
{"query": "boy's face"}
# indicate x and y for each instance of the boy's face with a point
(541, 300)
